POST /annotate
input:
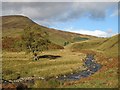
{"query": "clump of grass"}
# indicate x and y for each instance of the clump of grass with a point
(47, 84)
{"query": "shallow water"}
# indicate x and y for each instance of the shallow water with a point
(91, 65)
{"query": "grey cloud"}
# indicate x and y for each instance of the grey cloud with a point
(39, 10)
(50, 12)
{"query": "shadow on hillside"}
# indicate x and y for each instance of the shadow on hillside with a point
(49, 56)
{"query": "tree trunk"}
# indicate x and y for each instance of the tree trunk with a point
(35, 57)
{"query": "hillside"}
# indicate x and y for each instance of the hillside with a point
(107, 45)
(110, 44)
(64, 55)
(13, 26)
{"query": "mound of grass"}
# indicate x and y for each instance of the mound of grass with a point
(47, 84)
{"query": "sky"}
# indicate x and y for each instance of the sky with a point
(91, 18)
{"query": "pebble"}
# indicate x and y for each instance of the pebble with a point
(64, 75)
(56, 76)
(42, 78)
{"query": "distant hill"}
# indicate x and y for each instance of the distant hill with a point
(107, 45)
(14, 25)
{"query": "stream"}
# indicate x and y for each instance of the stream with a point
(91, 67)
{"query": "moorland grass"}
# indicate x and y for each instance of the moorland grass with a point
(20, 64)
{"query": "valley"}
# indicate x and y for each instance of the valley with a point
(59, 54)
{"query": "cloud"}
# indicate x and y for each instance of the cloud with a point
(57, 11)
(98, 33)
(116, 12)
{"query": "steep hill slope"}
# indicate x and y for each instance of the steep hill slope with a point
(14, 26)
(110, 44)
(107, 45)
